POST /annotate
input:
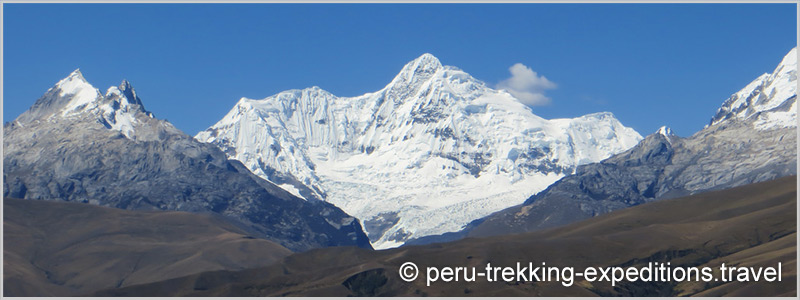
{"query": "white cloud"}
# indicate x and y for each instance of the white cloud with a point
(527, 86)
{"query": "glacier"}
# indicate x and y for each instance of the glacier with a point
(430, 152)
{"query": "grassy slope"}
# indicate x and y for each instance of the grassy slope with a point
(57, 248)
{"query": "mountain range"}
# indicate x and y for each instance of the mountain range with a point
(430, 152)
(289, 194)
(751, 138)
(76, 144)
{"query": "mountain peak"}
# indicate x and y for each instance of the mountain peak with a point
(665, 131)
(417, 70)
(130, 94)
(74, 84)
(125, 85)
(426, 63)
(431, 136)
(768, 101)
(73, 93)
(427, 59)
(76, 74)
(123, 98)
(316, 90)
(74, 97)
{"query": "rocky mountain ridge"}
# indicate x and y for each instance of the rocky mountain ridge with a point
(76, 144)
(752, 138)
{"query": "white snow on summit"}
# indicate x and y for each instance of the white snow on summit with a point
(665, 131)
(769, 101)
(82, 93)
(73, 97)
(428, 153)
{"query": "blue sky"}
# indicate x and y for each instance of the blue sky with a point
(649, 64)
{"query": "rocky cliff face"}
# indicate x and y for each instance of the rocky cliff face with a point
(76, 144)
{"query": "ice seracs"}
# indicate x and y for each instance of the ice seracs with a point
(428, 153)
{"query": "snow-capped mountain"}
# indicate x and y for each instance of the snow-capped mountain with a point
(752, 138)
(431, 151)
(769, 101)
(76, 144)
(73, 96)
